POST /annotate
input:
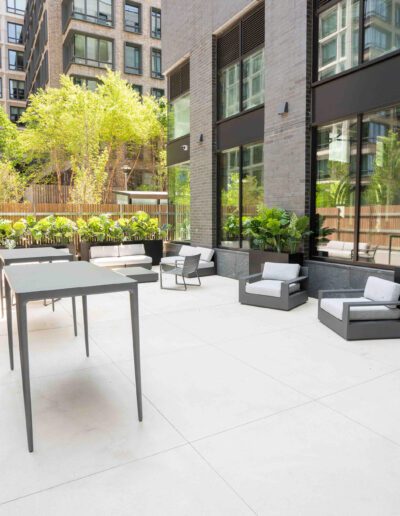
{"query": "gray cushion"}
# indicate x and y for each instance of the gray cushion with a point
(334, 306)
(131, 249)
(378, 289)
(280, 271)
(121, 261)
(102, 251)
(272, 288)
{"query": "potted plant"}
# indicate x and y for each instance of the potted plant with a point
(276, 235)
(56, 231)
(12, 234)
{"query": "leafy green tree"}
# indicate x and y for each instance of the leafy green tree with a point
(12, 183)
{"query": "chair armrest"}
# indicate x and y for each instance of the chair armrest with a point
(250, 279)
(179, 261)
(295, 280)
(348, 304)
(339, 293)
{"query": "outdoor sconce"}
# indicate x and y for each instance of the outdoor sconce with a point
(283, 108)
(201, 138)
(185, 148)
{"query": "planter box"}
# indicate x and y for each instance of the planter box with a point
(258, 258)
(153, 248)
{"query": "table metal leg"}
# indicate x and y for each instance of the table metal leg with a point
(74, 316)
(24, 356)
(134, 301)
(9, 324)
(85, 322)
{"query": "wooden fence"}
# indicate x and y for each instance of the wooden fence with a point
(377, 223)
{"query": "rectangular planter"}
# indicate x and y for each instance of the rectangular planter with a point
(153, 248)
(258, 258)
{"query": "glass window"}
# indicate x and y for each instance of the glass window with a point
(138, 88)
(133, 17)
(338, 38)
(156, 66)
(14, 33)
(252, 181)
(379, 238)
(86, 82)
(241, 191)
(179, 199)
(92, 51)
(381, 19)
(95, 11)
(179, 117)
(16, 89)
(1, 87)
(335, 189)
(133, 59)
(16, 6)
(229, 195)
(253, 80)
(229, 91)
(155, 23)
(16, 60)
(158, 93)
(16, 113)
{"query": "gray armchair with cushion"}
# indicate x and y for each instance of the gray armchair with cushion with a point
(282, 286)
(187, 267)
(372, 313)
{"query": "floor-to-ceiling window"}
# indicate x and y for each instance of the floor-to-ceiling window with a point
(241, 191)
(351, 32)
(357, 189)
(179, 200)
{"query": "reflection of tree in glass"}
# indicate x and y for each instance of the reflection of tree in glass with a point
(338, 189)
(384, 188)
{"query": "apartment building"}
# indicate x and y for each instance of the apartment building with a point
(12, 75)
(82, 38)
(294, 104)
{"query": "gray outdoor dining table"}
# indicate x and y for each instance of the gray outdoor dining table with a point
(29, 254)
(61, 280)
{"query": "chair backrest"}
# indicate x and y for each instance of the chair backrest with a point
(280, 271)
(379, 289)
(191, 264)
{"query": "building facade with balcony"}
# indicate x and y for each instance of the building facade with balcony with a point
(82, 38)
(295, 105)
(12, 73)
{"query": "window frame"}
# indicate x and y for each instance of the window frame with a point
(19, 108)
(91, 62)
(362, 62)
(140, 13)
(155, 13)
(14, 40)
(93, 19)
(18, 88)
(138, 47)
(154, 74)
(15, 10)
(16, 69)
(241, 177)
(1, 87)
(159, 90)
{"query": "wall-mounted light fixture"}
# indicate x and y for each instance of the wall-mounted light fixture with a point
(201, 138)
(283, 108)
(185, 148)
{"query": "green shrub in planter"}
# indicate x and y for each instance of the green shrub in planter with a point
(95, 229)
(12, 233)
(59, 230)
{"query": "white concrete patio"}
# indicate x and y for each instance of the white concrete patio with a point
(246, 411)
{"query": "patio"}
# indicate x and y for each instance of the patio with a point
(246, 411)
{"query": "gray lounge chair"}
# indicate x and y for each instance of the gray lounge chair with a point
(184, 268)
(372, 313)
(281, 286)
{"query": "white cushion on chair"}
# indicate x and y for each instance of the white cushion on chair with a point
(103, 251)
(206, 254)
(170, 260)
(272, 288)
(378, 289)
(131, 250)
(334, 306)
(280, 271)
(187, 250)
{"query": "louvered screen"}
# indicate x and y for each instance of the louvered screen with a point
(179, 81)
(228, 47)
(253, 30)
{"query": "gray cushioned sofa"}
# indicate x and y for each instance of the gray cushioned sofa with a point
(372, 313)
(129, 255)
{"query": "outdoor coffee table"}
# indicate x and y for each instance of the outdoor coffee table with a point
(30, 254)
(139, 274)
(61, 280)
